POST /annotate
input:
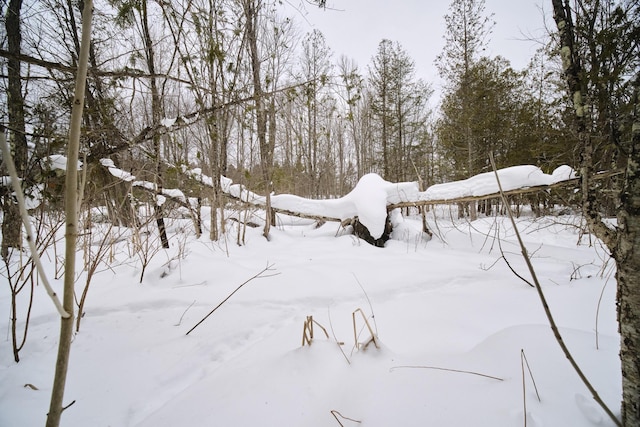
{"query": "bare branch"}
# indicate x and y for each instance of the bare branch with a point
(259, 275)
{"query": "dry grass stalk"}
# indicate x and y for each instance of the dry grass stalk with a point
(337, 414)
(340, 343)
(447, 369)
(524, 361)
(307, 330)
(373, 338)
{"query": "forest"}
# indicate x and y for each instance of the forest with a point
(250, 98)
(232, 91)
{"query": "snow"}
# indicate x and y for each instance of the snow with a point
(512, 178)
(451, 318)
(174, 193)
(57, 162)
(118, 173)
(449, 303)
(369, 199)
(168, 122)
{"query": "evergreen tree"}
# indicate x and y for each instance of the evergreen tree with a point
(399, 107)
(466, 37)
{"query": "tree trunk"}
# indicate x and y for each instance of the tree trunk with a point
(71, 228)
(627, 256)
(624, 242)
(156, 115)
(573, 74)
(11, 225)
(251, 8)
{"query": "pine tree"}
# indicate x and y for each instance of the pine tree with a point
(399, 106)
(466, 37)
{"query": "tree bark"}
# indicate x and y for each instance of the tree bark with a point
(11, 227)
(623, 242)
(627, 256)
(573, 74)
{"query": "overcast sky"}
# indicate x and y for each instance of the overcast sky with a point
(356, 27)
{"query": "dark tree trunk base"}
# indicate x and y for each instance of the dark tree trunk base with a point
(362, 232)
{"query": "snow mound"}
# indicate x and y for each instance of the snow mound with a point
(368, 201)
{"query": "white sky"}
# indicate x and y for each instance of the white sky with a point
(357, 26)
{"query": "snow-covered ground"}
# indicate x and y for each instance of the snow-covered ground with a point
(445, 310)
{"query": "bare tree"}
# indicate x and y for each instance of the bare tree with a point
(11, 227)
(252, 10)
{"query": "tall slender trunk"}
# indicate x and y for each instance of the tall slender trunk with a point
(11, 226)
(251, 8)
(156, 115)
(71, 229)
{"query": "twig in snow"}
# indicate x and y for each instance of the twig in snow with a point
(446, 369)
(523, 361)
(373, 316)
(259, 275)
(336, 414)
(598, 311)
(64, 408)
(511, 268)
(185, 312)
(340, 343)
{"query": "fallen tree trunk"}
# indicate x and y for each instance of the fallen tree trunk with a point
(361, 207)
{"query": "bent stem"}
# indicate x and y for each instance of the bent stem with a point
(15, 182)
(543, 300)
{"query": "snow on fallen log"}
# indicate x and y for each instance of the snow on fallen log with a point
(372, 196)
(173, 194)
(512, 178)
(368, 201)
